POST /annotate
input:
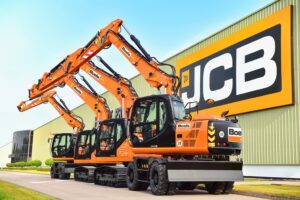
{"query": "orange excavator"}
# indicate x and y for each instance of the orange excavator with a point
(159, 143)
(63, 143)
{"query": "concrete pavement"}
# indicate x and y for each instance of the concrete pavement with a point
(70, 189)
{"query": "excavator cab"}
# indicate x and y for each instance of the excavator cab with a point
(112, 134)
(152, 122)
(63, 145)
(160, 122)
(85, 144)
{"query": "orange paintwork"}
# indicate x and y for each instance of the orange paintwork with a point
(95, 102)
(64, 159)
(118, 87)
(234, 138)
(73, 62)
(105, 37)
(149, 70)
(71, 120)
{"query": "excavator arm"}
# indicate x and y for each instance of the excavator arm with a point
(68, 116)
(110, 35)
(74, 61)
(117, 85)
(91, 98)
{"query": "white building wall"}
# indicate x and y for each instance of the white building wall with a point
(5, 151)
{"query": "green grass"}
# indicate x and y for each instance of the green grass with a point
(274, 190)
(9, 191)
(42, 169)
(30, 170)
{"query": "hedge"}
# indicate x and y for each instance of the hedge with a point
(49, 162)
(34, 163)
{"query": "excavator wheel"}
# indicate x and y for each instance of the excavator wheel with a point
(186, 185)
(158, 179)
(228, 187)
(132, 179)
(215, 187)
(53, 174)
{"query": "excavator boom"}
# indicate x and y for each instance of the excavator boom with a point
(74, 61)
(110, 35)
(69, 117)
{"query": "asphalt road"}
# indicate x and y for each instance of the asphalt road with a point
(70, 189)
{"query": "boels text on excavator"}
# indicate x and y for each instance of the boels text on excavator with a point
(153, 142)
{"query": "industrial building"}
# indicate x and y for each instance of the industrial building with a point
(250, 68)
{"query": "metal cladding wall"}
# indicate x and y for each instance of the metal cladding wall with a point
(271, 137)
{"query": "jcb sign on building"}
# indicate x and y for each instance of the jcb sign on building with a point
(247, 71)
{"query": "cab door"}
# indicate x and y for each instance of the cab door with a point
(85, 144)
(111, 135)
(62, 145)
(151, 123)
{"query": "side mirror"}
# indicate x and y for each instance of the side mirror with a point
(235, 119)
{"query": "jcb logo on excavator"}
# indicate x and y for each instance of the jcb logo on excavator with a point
(249, 70)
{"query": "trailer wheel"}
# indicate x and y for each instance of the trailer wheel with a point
(53, 173)
(158, 179)
(215, 187)
(228, 187)
(132, 179)
(186, 185)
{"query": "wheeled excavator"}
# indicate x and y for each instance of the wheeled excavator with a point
(167, 147)
(63, 143)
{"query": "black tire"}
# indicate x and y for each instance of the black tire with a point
(228, 187)
(186, 185)
(215, 187)
(53, 173)
(132, 179)
(158, 179)
(62, 175)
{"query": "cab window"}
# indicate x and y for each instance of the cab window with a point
(83, 144)
(149, 117)
(61, 144)
(106, 141)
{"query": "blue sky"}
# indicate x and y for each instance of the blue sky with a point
(36, 35)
